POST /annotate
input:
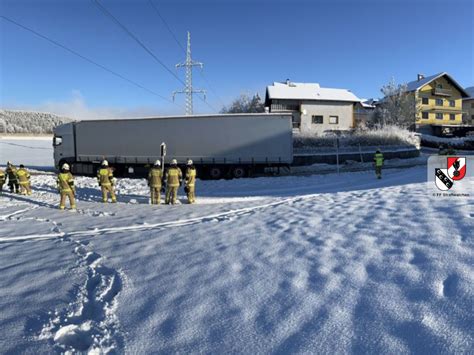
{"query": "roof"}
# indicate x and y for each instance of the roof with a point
(418, 84)
(308, 91)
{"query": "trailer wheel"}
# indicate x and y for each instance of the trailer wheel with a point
(215, 173)
(238, 172)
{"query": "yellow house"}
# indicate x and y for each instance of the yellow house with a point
(438, 99)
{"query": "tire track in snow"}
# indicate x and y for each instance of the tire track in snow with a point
(90, 322)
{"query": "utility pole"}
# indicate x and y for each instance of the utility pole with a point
(188, 89)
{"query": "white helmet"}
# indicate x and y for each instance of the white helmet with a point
(105, 163)
(65, 166)
(157, 163)
(190, 162)
(174, 162)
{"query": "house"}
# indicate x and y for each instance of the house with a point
(438, 100)
(315, 109)
(468, 106)
(364, 112)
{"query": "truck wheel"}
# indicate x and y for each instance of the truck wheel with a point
(238, 172)
(215, 173)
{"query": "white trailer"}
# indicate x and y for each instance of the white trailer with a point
(231, 145)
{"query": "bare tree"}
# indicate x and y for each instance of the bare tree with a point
(245, 104)
(398, 107)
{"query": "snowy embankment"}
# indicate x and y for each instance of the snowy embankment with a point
(318, 264)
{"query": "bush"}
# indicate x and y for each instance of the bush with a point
(387, 136)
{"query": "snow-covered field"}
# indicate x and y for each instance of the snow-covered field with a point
(35, 152)
(311, 264)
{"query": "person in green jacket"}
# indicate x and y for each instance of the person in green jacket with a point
(65, 182)
(155, 176)
(378, 159)
(173, 179)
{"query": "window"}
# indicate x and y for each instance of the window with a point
(452, 116)
(317, 119)
(439, 86)
(439, 102)
(439, 116)
(425, 101)
(278, 105)
(333, 119)
(425, 115)
(452, 103)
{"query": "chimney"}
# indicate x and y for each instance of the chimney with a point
(288, 82)
(420, 77)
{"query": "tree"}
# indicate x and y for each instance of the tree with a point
(397, 108)
(245, 104)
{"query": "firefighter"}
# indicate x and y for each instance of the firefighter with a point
(23, 177)
(190, 182)
(65, 182)
(12, 178)
(173, 178)
(105, 177)
(378, 159)
(155, 177)
(2, 180)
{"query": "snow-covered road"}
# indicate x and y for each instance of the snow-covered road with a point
(321, 264)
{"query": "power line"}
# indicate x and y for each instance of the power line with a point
(167, 26)
(135, 38)
(184, 50)
(86, 59)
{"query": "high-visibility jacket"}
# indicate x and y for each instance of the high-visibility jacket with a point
(65, 182)
(23, 176)
(11, 172)
(190, 176)
(154, 177)
(174, 177)
(2, 177)
(378, 158)
(105, 176)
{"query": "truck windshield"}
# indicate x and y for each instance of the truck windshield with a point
(57, 141)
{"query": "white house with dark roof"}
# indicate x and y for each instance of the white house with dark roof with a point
(315, 109)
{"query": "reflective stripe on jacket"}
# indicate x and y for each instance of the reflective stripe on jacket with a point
(65, 182)
(173, 177)
(23, 176)
(154, 177)
(190, 176)
(105, 176)
(378, 158)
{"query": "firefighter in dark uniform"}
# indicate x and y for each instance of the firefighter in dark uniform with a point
(12, 178)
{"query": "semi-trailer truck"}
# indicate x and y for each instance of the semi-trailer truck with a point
(230, 145)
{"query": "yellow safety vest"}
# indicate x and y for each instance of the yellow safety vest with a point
(105, 176)
(23, 176)
(378, 159)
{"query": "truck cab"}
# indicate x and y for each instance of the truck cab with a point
(63, 143)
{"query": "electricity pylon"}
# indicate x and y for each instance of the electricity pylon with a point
(188, 89)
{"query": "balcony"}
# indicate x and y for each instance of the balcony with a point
(442, 92)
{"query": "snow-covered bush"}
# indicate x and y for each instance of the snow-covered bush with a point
(455, 142)
(12, 121)
(386, 136)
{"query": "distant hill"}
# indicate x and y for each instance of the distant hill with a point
(13, 121)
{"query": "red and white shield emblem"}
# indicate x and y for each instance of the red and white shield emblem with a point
(456, 168)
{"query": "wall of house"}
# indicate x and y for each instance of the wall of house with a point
(432, 108)
(343, 110)
(468, 110)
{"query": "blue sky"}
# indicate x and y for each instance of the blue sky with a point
(244, 45)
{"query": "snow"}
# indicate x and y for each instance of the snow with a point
(34, 152)
(309, 264)
(308, 91)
